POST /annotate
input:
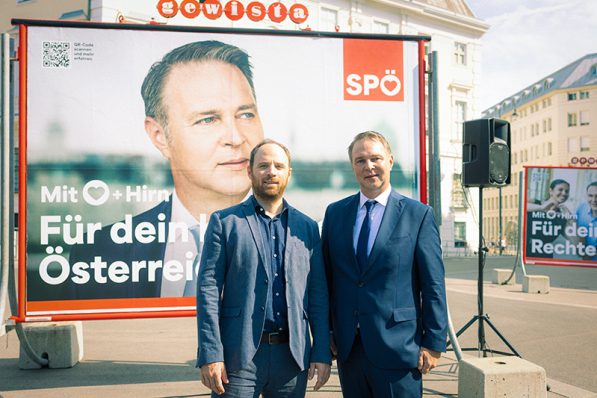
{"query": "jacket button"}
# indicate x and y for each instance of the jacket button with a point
(266, 281)
(361, 284)
(262, 308)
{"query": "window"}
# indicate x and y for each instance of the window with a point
(549, 124)
(380, 27)
(573, 144)
(549, 149)
(515, 158)
(571, 119)
(584, 118)
(458, 199)
(585, 144)
(459, 232)
(584, 95)
(571, 96)
(544, 125)
(459, 118)
(328, 19)
(460, 53)
(594, 70)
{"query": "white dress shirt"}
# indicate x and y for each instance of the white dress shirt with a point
(375, 217)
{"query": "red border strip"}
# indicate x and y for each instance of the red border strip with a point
(422, 138)
(22, 261)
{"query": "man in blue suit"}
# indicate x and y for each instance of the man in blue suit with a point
(386, 276)
(262, 291)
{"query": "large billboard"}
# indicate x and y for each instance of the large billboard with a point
(134, 135)
(560, 222)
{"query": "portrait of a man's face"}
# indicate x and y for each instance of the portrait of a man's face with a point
(212, 124)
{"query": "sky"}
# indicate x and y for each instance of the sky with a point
(529, 40)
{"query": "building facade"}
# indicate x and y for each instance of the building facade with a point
(553, 123)
(454, 30)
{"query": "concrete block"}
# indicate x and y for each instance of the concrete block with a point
(500, 275)
(502, 377)
(60, 342)
(535, 284)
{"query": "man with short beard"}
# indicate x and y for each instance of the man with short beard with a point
(261, 286)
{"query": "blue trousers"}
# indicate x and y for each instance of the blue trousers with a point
(273, 372)
(359, 378)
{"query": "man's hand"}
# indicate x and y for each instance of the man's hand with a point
(213, 376)
(428, 360)
(323, 373)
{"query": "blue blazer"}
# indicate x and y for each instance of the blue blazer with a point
(232, 289)
(399, 300)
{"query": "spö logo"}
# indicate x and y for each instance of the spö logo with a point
(373, 70)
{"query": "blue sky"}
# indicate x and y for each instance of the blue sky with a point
(530, 39)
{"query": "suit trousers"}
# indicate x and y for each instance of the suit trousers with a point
(359, 378)
(273, 372)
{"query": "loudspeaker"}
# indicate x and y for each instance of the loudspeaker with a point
(486, 153)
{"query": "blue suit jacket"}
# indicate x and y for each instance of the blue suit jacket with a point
(232, 289)
(399, 300)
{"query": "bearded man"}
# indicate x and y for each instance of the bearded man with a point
(261, 287)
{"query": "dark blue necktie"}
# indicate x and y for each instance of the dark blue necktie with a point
(363, 241)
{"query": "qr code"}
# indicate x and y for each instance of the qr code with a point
(56, 54)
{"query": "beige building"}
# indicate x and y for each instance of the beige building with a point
(554, 123)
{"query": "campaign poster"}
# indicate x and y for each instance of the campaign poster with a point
(136, 135)
(561, 216)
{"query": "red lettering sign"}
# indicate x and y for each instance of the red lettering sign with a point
(373, 70)
(255, 11)
(190, 8)
(212, 9)
(234, 10)
(277, 12)
(298, 13)
(167, 8)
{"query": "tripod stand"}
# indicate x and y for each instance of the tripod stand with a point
(480, 316)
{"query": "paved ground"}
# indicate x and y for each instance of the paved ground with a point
(154, 358)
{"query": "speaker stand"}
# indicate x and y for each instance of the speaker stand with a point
(480, 317)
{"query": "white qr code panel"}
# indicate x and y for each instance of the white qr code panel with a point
(56, 54)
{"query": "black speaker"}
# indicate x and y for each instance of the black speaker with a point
(486, 153)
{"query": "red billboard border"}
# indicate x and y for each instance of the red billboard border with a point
(22, 184)
(544, 261)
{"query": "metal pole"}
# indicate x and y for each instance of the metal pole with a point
(8, 199)
(500, 222)
(481, 330)
(5, 244)
(521, 240)
(435, 197)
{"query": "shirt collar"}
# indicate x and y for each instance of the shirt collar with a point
(382, 198)
(259, 209)
(180, 214)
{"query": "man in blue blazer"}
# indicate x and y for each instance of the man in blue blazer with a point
(386, 276)
(262, 291)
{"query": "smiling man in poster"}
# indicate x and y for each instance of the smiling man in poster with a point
(201, 114)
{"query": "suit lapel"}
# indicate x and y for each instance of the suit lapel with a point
(390, 218)
(251, 217)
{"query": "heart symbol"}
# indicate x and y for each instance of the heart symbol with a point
(96, 192)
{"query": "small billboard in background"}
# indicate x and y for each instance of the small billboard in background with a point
(136, 134)
(560, 216)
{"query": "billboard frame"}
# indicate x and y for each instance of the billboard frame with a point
(23, 25)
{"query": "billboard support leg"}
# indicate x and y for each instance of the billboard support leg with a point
(8, 205)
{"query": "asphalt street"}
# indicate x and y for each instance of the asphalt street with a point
(155, 357)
